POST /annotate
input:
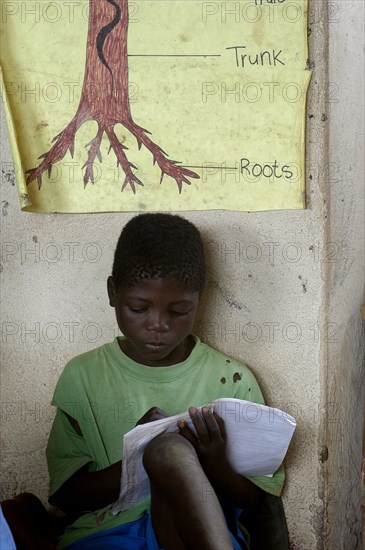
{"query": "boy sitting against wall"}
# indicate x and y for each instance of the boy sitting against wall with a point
(156, 369)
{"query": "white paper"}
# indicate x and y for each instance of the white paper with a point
(258, 437)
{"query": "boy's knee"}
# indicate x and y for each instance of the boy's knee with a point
(167, 451)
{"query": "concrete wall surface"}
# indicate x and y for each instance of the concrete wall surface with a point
(343, 368)
(283, 295)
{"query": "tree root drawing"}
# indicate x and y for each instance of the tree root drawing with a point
(105, 100)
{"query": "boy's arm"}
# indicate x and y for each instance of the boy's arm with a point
(210, 446)
(90, 491)
(235, 489)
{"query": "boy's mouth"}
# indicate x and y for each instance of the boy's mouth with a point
(155, 346)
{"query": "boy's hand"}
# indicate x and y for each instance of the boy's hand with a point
(210, 441)
(152, 414)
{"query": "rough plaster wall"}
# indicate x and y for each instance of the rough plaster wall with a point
(265, 304)
(344, 279)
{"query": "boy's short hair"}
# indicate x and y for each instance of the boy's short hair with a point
(159, 246)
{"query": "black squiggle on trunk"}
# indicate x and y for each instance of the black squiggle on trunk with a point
(100, 39)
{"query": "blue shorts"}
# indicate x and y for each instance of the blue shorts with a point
(6, 538)
(136, 535)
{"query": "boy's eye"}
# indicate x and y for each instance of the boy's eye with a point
(179, 313)
(137, 310)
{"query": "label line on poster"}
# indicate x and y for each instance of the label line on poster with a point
(172, 55)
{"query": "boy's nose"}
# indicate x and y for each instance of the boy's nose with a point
(159, 321)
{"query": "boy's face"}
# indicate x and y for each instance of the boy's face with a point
(156, 317)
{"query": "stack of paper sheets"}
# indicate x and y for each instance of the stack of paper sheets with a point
(258, 437)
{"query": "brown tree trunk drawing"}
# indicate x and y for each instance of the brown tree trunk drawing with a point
(105, 99)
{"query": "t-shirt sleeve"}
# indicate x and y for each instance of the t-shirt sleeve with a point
(273, 485)
(66, 452)
(250, 391)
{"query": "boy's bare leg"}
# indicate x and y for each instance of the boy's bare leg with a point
(186, 513)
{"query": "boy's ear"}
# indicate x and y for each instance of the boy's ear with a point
(112, 292)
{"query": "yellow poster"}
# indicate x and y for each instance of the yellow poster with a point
(117, 105)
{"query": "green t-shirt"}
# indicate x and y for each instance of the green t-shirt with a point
(107, 393)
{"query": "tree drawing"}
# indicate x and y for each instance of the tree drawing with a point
(105, 99)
